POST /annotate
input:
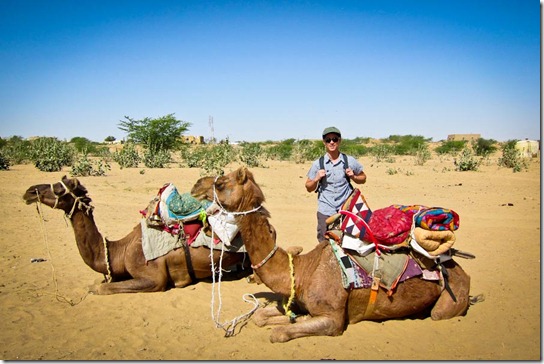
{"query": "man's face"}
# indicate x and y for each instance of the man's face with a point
(331, 141)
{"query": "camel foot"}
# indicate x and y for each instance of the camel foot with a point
(279, 335)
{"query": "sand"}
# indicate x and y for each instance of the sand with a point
(46, 313)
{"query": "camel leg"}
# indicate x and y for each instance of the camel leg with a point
(445, 308)
(309, 326)
(128, 286)
(271, 315)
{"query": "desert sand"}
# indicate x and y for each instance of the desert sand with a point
(47, 314)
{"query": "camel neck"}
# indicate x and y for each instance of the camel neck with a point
(89, 241)
(260, 241)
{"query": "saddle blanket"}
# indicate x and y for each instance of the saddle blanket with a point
(393, 270)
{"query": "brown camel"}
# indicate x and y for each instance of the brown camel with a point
(326, 306)
(122, 261)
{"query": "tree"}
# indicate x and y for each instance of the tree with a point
(160, 134)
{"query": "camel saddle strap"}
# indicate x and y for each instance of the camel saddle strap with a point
(189, 262)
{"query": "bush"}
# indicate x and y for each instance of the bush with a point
(127, 157)
(250, 154)
(4, 161)
(467, 161)
(84, 167)
(158, 159)
(422, 155)
(50, 154)
(382, 153)
(511, 157)
(484, 147)
(451, 147)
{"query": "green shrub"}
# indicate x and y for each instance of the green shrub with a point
(84, 167)
(250, 154)
(484, 147)
(452, 147)
(382, 153)
(467, 161)
(511, 158)
(127, 157)
(16, 150)
(158, 159)
(422, 155)
(50, 155)
(4, 161)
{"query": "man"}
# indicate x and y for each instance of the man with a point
(330, 176)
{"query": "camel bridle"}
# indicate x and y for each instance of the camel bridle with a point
(81, 205)
(77, 200)
(222, 210)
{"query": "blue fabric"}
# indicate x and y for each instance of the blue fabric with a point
(334, 189)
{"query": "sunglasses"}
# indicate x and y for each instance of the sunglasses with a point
(334, 140)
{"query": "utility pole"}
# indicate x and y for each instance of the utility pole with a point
(210, 123)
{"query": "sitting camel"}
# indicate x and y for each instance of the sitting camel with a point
(316, 282)
(122, 261)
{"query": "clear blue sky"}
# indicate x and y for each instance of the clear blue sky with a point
(272, 70)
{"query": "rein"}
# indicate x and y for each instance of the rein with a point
(81, 205)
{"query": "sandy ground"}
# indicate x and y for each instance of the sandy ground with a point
(500, 224)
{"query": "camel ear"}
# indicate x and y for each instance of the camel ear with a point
(241, 175)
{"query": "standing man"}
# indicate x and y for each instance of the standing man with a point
(330, 176)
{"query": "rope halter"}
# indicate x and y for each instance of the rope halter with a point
(77, 200)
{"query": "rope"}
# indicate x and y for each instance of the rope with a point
(287, 305)
(229, 326)
(58, 296)
(108, 276)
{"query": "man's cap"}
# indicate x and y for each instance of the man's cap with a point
(332, 129)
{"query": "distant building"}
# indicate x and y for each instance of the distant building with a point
(463, 137)
(191, 139)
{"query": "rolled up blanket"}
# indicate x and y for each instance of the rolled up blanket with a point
(435, 242)
(437, 218)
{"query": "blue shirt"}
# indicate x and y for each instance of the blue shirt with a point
(334, 187)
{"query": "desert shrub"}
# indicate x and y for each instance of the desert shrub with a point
(158, 159)
(422, 155)
(127, 157)
(281, 151)
(452, 147)
(406, 144)
(4, 161)
(84, 145)
(83, 167)
(50, 154)
(467, 161)
(211, 158)
(304, 150)
(484, 147)
(16, 150)
(511, 158)
(382, 153)
(217, 158)
(192, 157)
(250, 154)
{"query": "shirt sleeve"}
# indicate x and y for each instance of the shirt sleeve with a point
(312, 173)
(355, 165)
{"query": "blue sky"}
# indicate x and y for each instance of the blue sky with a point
(272, 70)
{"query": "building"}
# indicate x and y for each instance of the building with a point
(463, 137)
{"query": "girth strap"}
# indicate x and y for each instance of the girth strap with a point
(189, 262)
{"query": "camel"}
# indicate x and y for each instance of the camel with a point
(317, 294)
(122, 262)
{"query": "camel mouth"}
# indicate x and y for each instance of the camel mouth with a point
(30, 196)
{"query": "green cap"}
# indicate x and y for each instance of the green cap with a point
(332, 129)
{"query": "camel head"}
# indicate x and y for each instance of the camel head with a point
(203, 189)
(63, 195)
(238, 191)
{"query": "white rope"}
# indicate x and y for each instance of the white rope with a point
(228, 326)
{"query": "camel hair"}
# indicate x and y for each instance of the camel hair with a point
(122, 262)
(324, 305)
